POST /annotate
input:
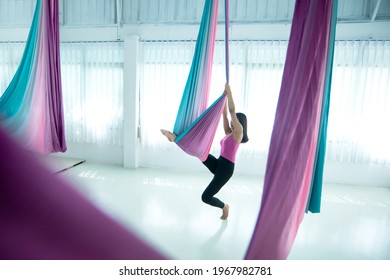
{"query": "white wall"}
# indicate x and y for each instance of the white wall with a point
(131, 154)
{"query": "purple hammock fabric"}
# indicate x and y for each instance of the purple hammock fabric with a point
(198, 138)
(43, 217)
(56, 115)
(294, 138)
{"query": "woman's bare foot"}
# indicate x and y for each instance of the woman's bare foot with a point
(225, 212)
(171, 137)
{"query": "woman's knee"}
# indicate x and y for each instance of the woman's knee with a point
(206, 198)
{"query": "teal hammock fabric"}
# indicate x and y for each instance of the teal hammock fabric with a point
(196, 124)
(314, 204)
(31, 107)
(299, 121)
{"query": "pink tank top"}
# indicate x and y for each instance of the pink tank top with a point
(229, 148)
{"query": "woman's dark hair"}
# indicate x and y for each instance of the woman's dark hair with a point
(242, 119)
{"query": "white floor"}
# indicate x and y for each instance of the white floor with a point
(164, 207)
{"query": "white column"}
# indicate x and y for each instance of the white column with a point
(131, 143)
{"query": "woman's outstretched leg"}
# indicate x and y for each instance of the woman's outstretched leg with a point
(171, 136)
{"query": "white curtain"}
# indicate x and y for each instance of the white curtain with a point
(92, 82)
(359, 130)
(10, 56)
(360, 100)
(164, 70)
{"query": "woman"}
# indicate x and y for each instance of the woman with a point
(223, 167)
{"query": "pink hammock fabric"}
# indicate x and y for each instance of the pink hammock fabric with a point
(295, 133)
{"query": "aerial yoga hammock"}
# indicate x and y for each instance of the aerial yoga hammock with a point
(195, 124)
(43, 217)
(31, 107)
(293, 179)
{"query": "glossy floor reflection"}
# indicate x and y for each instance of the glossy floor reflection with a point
(164, 207)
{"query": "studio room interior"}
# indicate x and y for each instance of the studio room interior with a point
(195, 129)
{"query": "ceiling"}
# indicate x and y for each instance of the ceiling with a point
(130, 12)
(245, 11)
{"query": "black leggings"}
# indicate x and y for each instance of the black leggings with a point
(223, 171)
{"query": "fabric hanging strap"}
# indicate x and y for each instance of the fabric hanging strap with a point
(227, 23)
